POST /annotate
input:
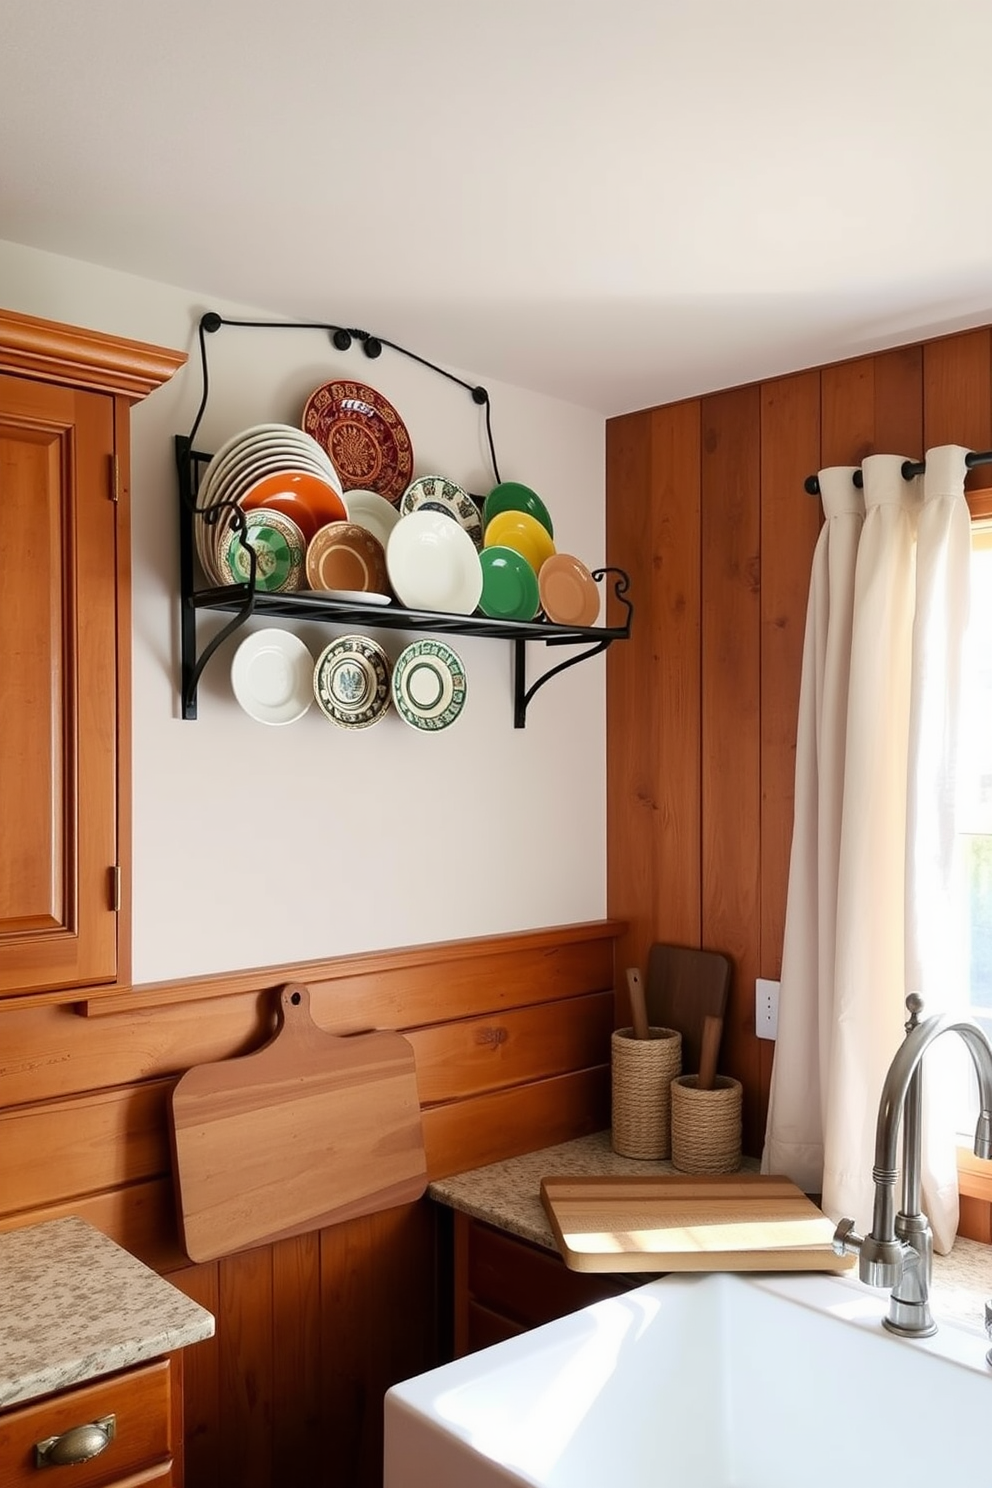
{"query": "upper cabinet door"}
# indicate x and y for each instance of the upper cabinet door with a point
(65, 740)
(58, 687)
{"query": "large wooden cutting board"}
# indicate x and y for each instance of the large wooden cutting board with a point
(683, 987)
(308, 1130)
(727, 1222)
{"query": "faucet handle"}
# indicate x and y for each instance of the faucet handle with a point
(846, 1239)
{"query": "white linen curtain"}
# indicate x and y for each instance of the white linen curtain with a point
(869, 899)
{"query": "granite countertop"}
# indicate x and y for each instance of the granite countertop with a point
(507, 1194)
(74, 1305)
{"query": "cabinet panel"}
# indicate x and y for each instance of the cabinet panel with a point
(144, 1402)
(58, 627)
(505, 1285)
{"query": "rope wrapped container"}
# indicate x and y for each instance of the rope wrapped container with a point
(706, 1125)
(642, 1074)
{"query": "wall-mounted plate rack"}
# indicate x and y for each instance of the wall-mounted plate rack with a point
(243, 600)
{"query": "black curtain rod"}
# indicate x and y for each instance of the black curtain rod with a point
(910, 468)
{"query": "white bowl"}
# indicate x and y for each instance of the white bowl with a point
(433, 565)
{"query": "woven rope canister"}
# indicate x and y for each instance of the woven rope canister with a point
(642, 1072)
(706, 1125)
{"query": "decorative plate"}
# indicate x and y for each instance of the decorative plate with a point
(509, 585)
(429, 685)
(569, 593)
(519, 530)
(512, 496)
(307, 499)
(351, 681)
(433, 564)
(272, 676)
(437, 493)
(343, 555)
(280, 550)
(365, 438)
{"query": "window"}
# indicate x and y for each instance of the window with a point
(974, 815)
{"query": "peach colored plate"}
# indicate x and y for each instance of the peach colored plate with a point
(300, 495)
(569, 594)
(342, 555)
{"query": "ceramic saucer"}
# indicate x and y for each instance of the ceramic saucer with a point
(429, 685)
(351, 681)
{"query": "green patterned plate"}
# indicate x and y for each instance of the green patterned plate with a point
(280, 553)
(429, 685)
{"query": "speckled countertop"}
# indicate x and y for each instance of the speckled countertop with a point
(75, 1305)
(507, 1195)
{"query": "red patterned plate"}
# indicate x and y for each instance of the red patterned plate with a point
(366, 439)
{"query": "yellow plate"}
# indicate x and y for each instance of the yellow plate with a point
(523, 533)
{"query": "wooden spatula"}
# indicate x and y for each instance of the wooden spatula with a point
(638, 1010)
(709, 1050)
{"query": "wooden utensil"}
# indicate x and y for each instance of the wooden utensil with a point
(683, 986)
(306, 1131)
(709, 1051)
(638, 1008)
(731, 1222)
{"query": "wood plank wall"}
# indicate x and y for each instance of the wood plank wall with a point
(512, 1039)
(706, 511)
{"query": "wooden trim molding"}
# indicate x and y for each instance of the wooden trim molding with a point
(51, 352)
(372, 966)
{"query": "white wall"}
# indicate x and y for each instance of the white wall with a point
(256, 845)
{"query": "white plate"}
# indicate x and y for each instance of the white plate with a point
(429, 685)
(272, 676)
(373, 512)
(356, 596)
(433, 564)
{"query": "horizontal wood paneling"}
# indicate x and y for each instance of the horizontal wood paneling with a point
(472, 1055)
(469, 1133)
(511, 1036)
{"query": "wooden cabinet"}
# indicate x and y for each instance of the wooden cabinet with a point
(504, 1285)
(65, 396)
(140, 1410)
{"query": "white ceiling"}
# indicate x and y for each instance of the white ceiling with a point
(617, 202)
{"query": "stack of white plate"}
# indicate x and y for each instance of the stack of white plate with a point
(238, 464)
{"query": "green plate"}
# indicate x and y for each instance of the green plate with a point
(509, 585)
(512, 496)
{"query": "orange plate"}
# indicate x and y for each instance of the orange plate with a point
(309, 501)
(343, 555)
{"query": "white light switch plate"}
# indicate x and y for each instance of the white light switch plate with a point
(766, 1008)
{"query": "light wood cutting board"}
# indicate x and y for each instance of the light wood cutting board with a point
(727, 1222)
(308, 1130)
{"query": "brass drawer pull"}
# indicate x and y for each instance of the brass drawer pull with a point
(79, 1444)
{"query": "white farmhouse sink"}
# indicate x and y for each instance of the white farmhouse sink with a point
(704, 1381)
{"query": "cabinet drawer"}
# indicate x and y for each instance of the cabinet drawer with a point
(528, 1284)
(142, 1449)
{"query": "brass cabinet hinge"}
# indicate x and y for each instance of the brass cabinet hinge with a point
(115, 888)
(115, 478)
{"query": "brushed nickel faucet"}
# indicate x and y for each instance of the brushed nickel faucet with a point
(898, 1252)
